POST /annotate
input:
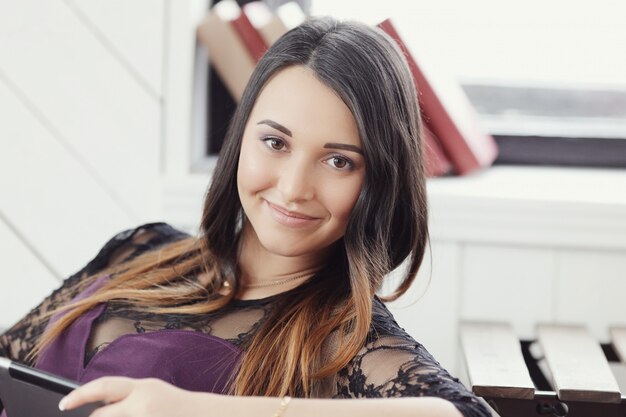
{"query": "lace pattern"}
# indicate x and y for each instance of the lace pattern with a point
(391, 364)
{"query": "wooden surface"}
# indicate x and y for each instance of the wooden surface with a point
(619, 372)
(578, 366)
(618, 338)
(494, 361)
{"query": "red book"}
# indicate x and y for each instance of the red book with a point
(449, 115)
(250, 36)
(269, 25)
(227, 53)
(436, 161)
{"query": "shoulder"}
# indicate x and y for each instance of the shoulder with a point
(393, 364)
(132, 242)
(384, 324)
(149, 233)
(388, 339)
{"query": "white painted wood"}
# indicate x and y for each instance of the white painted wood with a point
(578, 366)
(429, 311)
(24, 280)
(183, 201)
(534, 206)
(494, 360)
(48, 195)
(181, 117)
(619, 372)
(509, 284)
(135, 32)
(618, 340)
(591, 286)
(87, 97)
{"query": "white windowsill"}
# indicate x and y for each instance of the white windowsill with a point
(539, 206)
(536, 206)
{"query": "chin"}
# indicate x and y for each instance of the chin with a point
(293, 247)
(287, 249)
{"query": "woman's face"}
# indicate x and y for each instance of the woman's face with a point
(301, 166)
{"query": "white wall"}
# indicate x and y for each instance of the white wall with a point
(96, 136)
(80, 135)
(534, 42)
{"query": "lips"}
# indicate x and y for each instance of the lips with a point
(290, 218)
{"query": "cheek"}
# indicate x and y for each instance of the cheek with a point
(253, 173)
(340, 199)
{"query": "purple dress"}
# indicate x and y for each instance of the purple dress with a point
(184, 358)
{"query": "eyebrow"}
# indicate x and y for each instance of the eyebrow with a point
(344, 146)
(332, 145)
(276, 126)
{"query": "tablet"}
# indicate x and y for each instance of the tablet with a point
(30, 392)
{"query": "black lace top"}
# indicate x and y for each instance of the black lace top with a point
(391, 364)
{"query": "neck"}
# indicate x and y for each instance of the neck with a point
(259, 267)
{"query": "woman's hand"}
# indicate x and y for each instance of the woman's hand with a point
(126, 397)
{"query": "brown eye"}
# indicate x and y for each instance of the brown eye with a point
(275, 144)
(339, 162)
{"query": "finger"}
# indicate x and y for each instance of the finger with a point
(119, 409)
(107, 389)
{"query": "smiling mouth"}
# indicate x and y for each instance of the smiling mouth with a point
(290, 218)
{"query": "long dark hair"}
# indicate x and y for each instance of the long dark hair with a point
(367, 70)
(389, 223)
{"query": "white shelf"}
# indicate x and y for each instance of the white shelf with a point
(557, 207)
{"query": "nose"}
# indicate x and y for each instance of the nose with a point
(296, 181)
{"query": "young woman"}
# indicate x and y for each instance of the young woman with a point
(318, 194)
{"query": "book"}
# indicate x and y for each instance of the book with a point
(227, 52)
(250, 36)
(291, 14)
(448, 114)
(436, 162)
(268, 24)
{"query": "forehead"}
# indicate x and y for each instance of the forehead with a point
(295, 98)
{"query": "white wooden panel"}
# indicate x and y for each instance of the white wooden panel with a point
(48, 196)
(429, 310)
(532, 206)
(24, 280)
(511, 284)
(183, 201)
(87, 96)
(592, 289)
(183, 107)
(134, 29)
(494, 361)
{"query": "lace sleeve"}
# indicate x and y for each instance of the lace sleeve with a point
(19, 340)
(392, 364)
